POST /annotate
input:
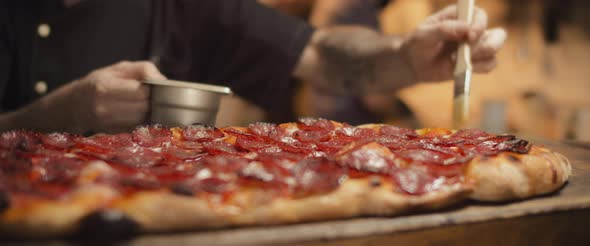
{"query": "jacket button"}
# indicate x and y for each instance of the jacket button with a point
(43, 30)
(41, 87)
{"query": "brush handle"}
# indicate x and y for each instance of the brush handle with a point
(464, 13)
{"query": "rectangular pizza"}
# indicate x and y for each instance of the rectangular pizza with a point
(158, 179)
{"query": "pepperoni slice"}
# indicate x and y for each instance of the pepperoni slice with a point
(258, 171)
(196, 146)
(91, 150)
(13, 167)
(263, 129)
(103, 141)
(449, 151)
(55, 169)
(136, 157)
(311, 124)
(370, 157)
(178, 152)
(201, 133)
(224, 163)
(220, 147)
(314, 176)
(280, 135)
(312, 136)
(296, 147)
(332, 146)
(58, 140)
(105, 147)
(19, 140)
(238, 133)
(251, 145)
(393, 143)
(216, 175)
(151, 136)
(461, 137)
(266, 176)
(423, 155)
(354, 133)
(278, 156)
(414, 181)
(6, 155)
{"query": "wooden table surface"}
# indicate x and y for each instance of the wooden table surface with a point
(561, 218)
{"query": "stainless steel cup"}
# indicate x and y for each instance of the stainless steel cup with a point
(178, 103)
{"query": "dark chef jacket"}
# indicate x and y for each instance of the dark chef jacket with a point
(237, 43)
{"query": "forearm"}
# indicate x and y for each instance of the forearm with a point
(23, 118)
(35, 117)
(354, 61)
(53, 112)
(7, 121)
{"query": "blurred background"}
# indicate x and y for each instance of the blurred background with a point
(540, 88)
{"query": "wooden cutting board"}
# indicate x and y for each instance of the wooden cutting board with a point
(560, 218)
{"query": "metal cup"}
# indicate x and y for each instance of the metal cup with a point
(179, 103)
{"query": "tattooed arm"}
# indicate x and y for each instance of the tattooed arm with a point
(355, 60)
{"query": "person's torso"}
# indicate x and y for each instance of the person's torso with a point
(56, 45)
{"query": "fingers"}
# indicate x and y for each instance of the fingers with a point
(449, 30)
(118, 114)
(477, 26)
(113, 97)
(488, 44)
(484, 52)
(111, 88)
(485, 66)
(480, 20)
(138, 70)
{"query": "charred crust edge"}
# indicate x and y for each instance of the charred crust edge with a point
(182, 190)
(106, 225)
(520, 146)
(4, 201)
(513, 158)
(375, 182)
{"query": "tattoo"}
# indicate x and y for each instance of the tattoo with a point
(356, 61)
(347, 60)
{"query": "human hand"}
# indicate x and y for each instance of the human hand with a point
(430, 49)
(109, 99)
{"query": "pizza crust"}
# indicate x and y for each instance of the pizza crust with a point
(160, 211)
(509, 176)
(50, 218)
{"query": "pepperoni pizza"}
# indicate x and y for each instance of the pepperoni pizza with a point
(157, 179)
